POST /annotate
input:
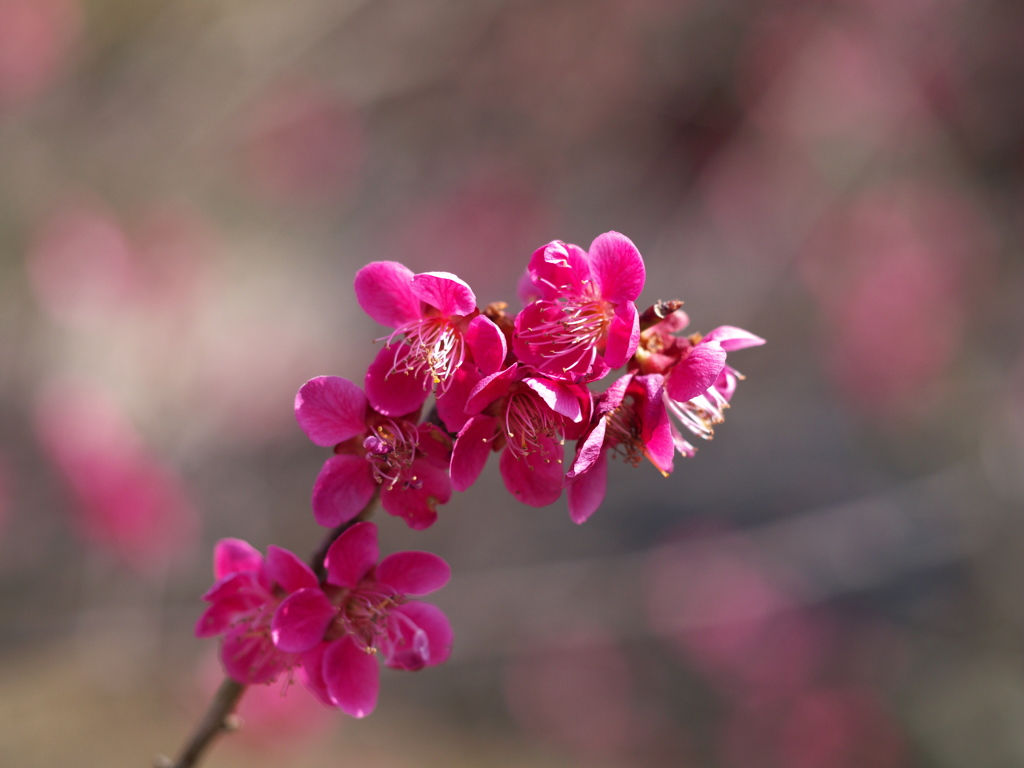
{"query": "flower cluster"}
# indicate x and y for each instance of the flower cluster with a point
(276, 616)
(515, 385)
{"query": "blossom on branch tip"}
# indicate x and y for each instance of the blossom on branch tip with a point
(582, 321)
(407, 461)
(247, 592)
(364, 610)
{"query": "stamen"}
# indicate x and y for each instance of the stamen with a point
(526, 422)
(391, 450)
(572, 334)
(432, 346)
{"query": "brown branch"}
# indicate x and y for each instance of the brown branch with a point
(219, 717)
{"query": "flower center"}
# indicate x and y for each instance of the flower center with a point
(527, 420)
(432, 346)
(623, 432)
(391, 450)
(570, 333)
(366, 614)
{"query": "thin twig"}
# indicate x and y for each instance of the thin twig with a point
(219, 716)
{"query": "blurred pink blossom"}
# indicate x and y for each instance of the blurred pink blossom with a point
(125, 500)
(737, 624)
(303, 145)
(893, 273)
(86, 270)
(35, 39)
(577, 696)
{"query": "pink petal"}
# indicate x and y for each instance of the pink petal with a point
(559, 397)
(312, 673)
(586, 491)
(435, 445)
(472, 447)
(301, 620)
(488, 344)
(352, 555)
(330, 410)
(732, 338)
(414, 573)
(696, 372)
(384, 291)
(559, 270)
(612, 397)
(289, 571)
(535, 479)
(446, 292)
(656, 431)
(242, 589)
(418, 506)
(345, 485)
(490, 389)
(234, 555)
(425, 640)
(394, 394)
(623, 335)
(451, 404)
(216, 620)
(590, 450)
(251, 658)
(352, 676)
(617, 267)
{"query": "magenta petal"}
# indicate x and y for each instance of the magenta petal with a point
(343, 488)
(586, 491)
(301, 620)
(414, 573)
(451, 404)
(732, 338)
(490, 388)
(425, 640)
(488, 344)
(656, 432)
(286, 569)
(233, 556)
(472, 447)
(251, 658)
(312, 673)
(352, 676)
(352, 555)
(446, 292)
(384, 291)
(559, 269)
(612, 397)
(242, 589)
(394, 394)
(618, 267)
(536, 479)
(216, 620)
(696, 372)
(330, 410)
(418, 505)
(559, 397)
(623, 335)
(590, 450)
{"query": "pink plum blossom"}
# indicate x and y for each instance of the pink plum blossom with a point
(527, 418)
(364, 610)
(431, 313)
(406, 460)
(583, 321)
(243, 600)
(125, 500)
(630, 419)
(698, 384)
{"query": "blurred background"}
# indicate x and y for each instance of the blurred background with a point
(187, 188)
